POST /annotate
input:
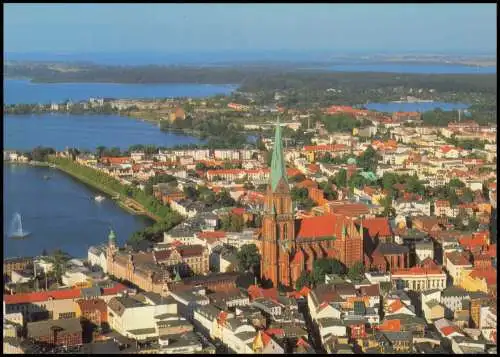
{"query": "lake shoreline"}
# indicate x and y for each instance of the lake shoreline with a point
(89, 183)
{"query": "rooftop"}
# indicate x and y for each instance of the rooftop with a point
(45, 328)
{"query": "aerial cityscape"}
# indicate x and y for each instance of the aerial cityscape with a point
(250, 178)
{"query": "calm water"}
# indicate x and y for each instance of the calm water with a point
(59, 212)
(23, 91)
(414, 107)
(23, 132)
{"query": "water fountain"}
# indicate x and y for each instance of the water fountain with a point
(17, 227)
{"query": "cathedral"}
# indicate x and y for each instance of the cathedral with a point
(289, 246)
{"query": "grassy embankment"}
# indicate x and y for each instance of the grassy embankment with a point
(133, 200)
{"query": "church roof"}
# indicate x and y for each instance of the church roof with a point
(377, 226)
(278, 169)
(322, 226)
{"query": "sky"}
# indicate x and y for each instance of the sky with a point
(163, 28)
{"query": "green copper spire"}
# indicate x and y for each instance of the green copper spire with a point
(112, 237)
(278, 169)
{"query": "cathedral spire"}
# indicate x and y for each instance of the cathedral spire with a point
(278, 169)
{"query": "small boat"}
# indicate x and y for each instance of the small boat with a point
(100, 198)
(46, 177)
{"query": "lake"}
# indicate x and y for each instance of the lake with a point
(414, 107)
(24, 132)
(23, 91)
(60, 212)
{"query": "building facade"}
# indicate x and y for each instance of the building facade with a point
(290, 246)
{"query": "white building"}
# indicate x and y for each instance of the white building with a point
(419, 279)
(96, 256)
(75, 276)
(424, 250)
(134, 317)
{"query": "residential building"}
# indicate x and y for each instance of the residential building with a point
(65, 332)
(419, 278)
(136, 316)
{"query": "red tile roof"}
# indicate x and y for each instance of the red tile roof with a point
(275, 331)
(395, 306)
(214, 234)
(326, 147)
(349, 209)
(56, 295)
(457, 258)
(117, 288)
(161, 255)
(442, 203)
(190, 250)
(418, 271)
(42, 296)
(390, 325)
(238, 211)
(255, 292)
(379, 225)
(322, 226)
(448, 330)
(221, 318)
(313, 168)
(265, 338)
(490, 275)
(302, 343)
(116, 160)
(446, 148)
(307, 184)
(492, 250)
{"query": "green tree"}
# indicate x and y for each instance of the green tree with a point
(59, 260)
(389, 179)
(299, 194)
(356, 271)
(357, 181)
(340, 178)
(200, 166)
(148, 188)
(190, 192)
(236, 223)
(386, 203)
(324, 266)
(249, 258)
(305, 279)
(368, 160)
(467, 196)
(456, 183)
(414, 185)
(224, 199)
